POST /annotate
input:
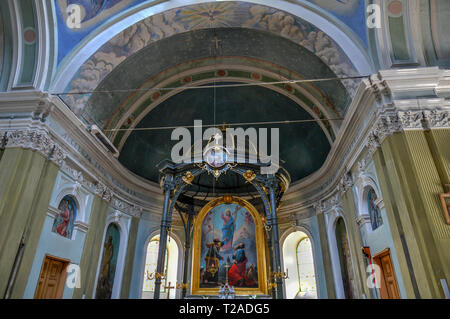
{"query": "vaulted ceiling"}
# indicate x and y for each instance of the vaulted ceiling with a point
(142, 76)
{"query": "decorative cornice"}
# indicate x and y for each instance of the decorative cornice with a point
(437, 119)
(345, 183)
(395, 120)
(36, 140)
(127, 208)
(103, 191)
(52, 212)
(362, 219)
(79, 225)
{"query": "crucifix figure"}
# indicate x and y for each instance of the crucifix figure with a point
(168, 289)
(227, 267)
(216, 41)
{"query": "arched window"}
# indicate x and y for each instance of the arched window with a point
(108, 264)
(170, 268)
(305, 268)
(374, 211)
(151, 261)
(64, 222)
(298, 260)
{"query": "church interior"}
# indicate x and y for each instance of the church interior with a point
(135, 138)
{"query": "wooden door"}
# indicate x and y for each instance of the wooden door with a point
(389, 287)
(52, 278)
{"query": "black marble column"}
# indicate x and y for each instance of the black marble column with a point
(187, 250)
(165, 226)
(275, 238)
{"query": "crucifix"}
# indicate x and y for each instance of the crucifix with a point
(168, 289)
(215, 40)
(227, 267)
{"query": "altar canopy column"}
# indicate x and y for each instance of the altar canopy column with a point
(165, 226)
(187, 249)
(275, 238)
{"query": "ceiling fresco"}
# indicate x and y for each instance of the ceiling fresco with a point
(350, 12)
(95, 13)
(210, 15)
(197, 49)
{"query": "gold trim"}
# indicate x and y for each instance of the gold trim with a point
(260, 249)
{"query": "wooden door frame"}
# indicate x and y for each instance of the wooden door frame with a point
(60, 289)
(377, 260)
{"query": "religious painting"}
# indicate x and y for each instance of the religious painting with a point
(229, 247)
(445, 200)
(345, 259)
(374, 211)
(109, 262)
(63, 224)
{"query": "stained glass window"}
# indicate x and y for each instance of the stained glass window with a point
(305, 266)
(374, 211)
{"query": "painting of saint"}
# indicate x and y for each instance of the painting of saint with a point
(63, 224)
(108, 264)
(228, 248)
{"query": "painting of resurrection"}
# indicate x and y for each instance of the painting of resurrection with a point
(228, 244)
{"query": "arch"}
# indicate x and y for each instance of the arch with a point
(123, 225)
(179, 264)
(81, 205)
(289, 243)
(366, 184)
(333, 218)
(348, 46)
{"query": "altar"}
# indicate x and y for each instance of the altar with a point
(231, 235)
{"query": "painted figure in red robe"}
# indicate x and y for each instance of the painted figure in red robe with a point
(237, 275)
(65, 216)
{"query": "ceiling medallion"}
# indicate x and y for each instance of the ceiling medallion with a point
(216, 157)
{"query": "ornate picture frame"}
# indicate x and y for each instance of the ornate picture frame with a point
(260, 247)
(445, 200)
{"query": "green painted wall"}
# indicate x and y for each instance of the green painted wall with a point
(91, 249)
(355, 241)
(326, 256)
(128, 269)
(410, 183)
(27, 182)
